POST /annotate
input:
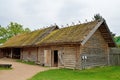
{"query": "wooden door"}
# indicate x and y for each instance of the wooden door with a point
(47, 57)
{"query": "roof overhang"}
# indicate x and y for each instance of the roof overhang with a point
(107, 34)
(102, 26)
(60, 43)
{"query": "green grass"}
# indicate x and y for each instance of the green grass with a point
(26, 62)
(101, 73)
(2, 68)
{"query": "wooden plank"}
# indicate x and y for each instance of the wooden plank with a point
(47, 57)
(60, 57)
(37, 54)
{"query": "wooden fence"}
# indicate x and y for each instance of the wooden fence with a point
(114, 56)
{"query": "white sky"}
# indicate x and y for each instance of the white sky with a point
(36, 14)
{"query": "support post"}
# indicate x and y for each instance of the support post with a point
(11, 54)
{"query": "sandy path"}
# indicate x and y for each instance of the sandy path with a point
(20, 71)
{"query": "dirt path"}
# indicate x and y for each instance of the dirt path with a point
(20, 71)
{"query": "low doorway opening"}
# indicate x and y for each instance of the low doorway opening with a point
(16, 53)
(55, 58)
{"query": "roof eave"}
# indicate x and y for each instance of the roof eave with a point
(115, 45)
(60, 43)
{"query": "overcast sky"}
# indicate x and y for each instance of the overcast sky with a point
(36, 14)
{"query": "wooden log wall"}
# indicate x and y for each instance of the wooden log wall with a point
(69, 53)
(29, 54)
(69, 57)
(41, 56)
(95, 51)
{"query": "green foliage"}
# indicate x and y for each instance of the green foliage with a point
(3, 34)
(101, 73)
(117, 40)
(97, 16)
(11, 30)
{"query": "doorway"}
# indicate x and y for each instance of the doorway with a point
(55, 58)
(16, 53)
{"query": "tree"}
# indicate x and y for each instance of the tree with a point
(11, 30)
(98, 17)
(117, 40)
(3, 34)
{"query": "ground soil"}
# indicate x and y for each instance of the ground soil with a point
(20, 71)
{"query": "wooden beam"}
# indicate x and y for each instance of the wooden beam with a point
(80, 61)
(104, 33)
(11, 53)
(106, 37)
(21, 54)
(76, 57)
(103, 30)
(37, 54)
(110, 42)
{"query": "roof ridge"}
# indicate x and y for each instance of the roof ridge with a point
(44, 34)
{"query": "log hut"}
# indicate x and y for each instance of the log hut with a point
(77, 47)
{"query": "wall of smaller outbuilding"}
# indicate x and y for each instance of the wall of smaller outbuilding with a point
(29, 54)
(67, 55)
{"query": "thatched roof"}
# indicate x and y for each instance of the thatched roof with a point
(70, 34)
(76, 34)
(28, 39)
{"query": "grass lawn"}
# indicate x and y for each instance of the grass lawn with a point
(101, 73)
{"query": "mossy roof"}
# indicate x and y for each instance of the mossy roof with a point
(70, 34)
(49, 36)
(27, 39)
